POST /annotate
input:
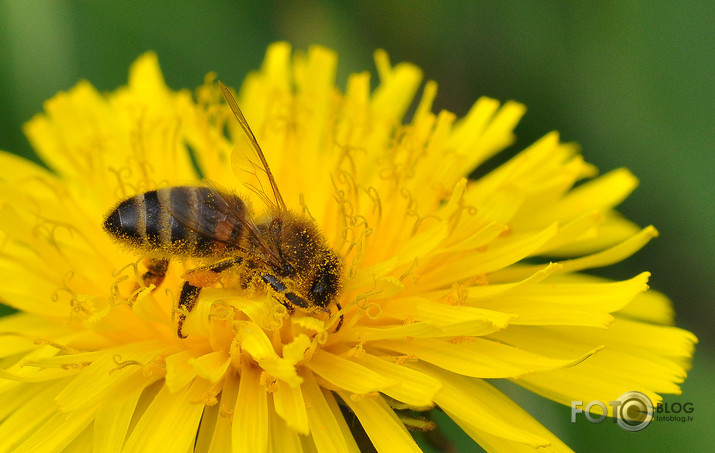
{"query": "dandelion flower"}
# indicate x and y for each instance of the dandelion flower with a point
(448, 282)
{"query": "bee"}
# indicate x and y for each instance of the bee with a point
(284, 253)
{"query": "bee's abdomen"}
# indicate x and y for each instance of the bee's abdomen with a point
(186, 220)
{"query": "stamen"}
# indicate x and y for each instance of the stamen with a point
(59, 190)
(304, 206)
(114, 291)
(64, 288)
(139, 292)
(121, 191)
(209, 397)
(123, 363)
(403, 359)
(61, 347)
(375, 197)
(357, 351)
(371, 309)
(457, 295)
(268, 381)
(221, 311)
(75, 366)
(224, 412)
(410, 272)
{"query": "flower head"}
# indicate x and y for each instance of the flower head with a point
(447, 282)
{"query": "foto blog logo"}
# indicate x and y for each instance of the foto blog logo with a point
(632, 411)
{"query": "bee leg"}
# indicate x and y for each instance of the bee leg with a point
(156, 271)
(293, 299)
(187, 300)
(195, 280)
(209, 275)
(342, 318)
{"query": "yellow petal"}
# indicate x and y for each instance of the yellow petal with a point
(211, 366)
(476, 294)
(57, 432)
(255, 342)
(446, 316)
(474, 403)
(637, 356)
(612, 255)
(221, 438)
(109, 369)
(650, 306)
(385, 430)
(207, 428)
(17, 373)
(497, 444)
(170, 422)
(20, 423)
(282, 437)
(179, 370)
(478, 357)
(499, 254)
(346, 374)
(112, 421)
(250, 415)
(569, 304)
(613, 230)
(397, 87)
(82, 443)
(327, 433)
(413, 388)
(600, 194)
(290, 406)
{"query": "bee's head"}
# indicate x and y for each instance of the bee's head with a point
(306, 258)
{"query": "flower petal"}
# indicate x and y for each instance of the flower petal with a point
(250, 415)
(113, 418)
(474, 403)
(283, 438)
(498, 255)
(221, 438)
(290, 406)
(57, 432)
(325, 428)
(107, 370)
(477, 358)
(171, 421)
(413, 388)
(27, 418)
(637, 356)
(568, 304)
(385, 430)
(179, 370)
(346, 374)
(211, 366)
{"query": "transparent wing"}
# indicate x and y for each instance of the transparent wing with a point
(216, 215)
(252, 168)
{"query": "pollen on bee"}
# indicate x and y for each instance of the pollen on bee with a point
(202, 278)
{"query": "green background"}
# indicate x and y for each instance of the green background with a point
(632, 82)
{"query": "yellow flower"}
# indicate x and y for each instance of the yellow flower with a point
(447, 282)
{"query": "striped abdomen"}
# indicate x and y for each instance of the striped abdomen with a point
(189, 221)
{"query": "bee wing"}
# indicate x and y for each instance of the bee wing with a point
(214, 214)
(255, 175)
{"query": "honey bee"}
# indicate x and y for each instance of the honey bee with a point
(284, 253)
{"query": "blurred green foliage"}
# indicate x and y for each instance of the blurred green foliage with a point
(632, 82)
